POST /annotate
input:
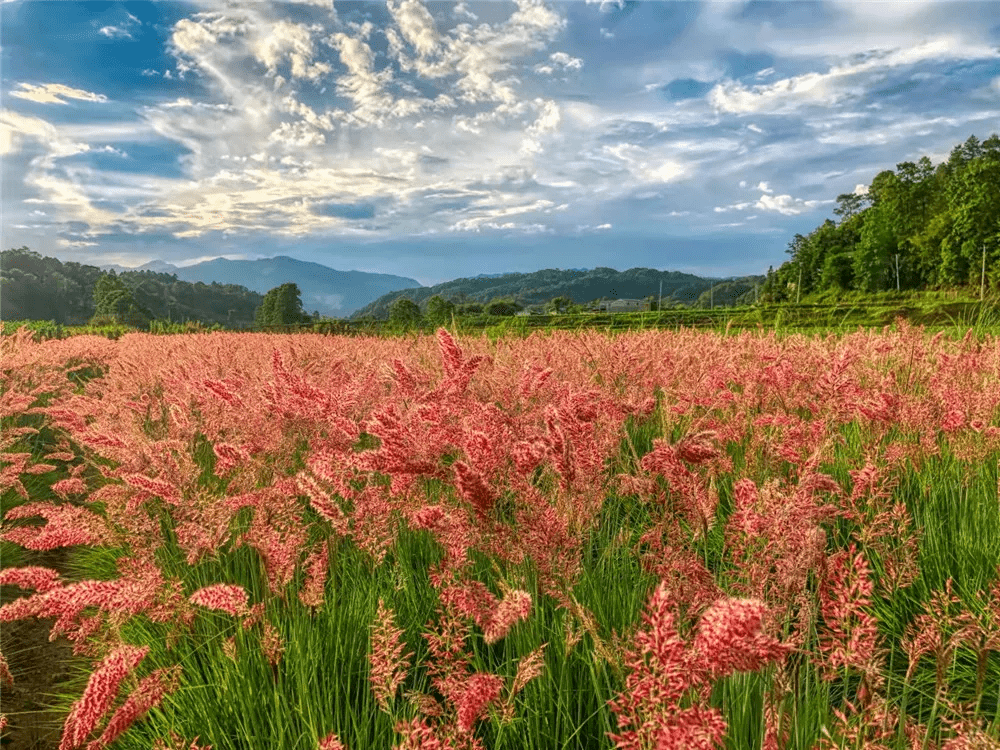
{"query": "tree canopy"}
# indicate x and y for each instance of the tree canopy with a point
(916, 227)
(282, 306)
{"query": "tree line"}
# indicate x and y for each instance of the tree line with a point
(919, 226)
(34, 287)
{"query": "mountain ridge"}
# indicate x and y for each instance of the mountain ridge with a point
(329, 291)
(539, 287)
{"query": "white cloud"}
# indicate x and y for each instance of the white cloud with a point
(840, 82)
(15, 128)
(764, 187)
(75, 243)
(565, 61)
(416, 25)
(786, 204)
(54, 93)
(294, 42)
(115, 32)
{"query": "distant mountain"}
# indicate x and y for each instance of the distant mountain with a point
(156, 266)
(541, 286)
(332, 293)
(511, 273)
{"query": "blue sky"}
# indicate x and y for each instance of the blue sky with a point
(437, 140)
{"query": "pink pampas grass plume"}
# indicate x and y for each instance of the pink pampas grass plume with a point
(100, 693)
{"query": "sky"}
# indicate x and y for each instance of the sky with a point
(436, 140)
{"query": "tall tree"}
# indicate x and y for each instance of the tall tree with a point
(115, 301)
(282, 305)
(440, 310)
(404, 312)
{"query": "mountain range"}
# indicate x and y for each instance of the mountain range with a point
(332, 293)
(579, 285)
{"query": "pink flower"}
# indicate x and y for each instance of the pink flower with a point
(852, 632)
(473, 488)
(71, 486)
(100, 693)
(512, 609)
(272, 644)
(228, 457)
(389, 663)
(480, 690)
(150, 693)
(331, 742)
(314, 588)
(30, 577)
(418, 735)
(530, 667)
(67, 526)
(225, 597)
(729, 638)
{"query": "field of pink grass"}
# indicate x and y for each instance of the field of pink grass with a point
(572, 540)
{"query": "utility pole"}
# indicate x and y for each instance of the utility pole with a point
(711, 297)
(982, 277)
(897, 272)
(798, 288)
(659, 304)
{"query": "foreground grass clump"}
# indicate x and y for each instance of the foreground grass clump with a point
(568, 540)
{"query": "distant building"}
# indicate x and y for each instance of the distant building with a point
(622, 305)
(532, 310)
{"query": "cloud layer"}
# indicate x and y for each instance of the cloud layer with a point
(310, 122)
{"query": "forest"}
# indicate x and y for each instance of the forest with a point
(33, 287)
(918, 227)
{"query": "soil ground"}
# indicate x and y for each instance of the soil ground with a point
(38, 666)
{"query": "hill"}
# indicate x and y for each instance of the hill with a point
(330, 292)
(541, 286)
(33, 287)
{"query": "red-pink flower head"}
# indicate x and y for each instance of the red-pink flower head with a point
(100, 693)
(451, 355)
(730, 640)
(512, 609)
(67, 526)
(316, 567)
(473, 488)
(30, 577)
(225, 597)
(150, 693)
(389, 663)
(480, 690)
(331, 742)
(417, 734)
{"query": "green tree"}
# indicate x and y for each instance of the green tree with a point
(873, 256)
(439, 310)
(282, 305)
(849, 204)
(113, 300)
(504, 307)
(560, 305)
(404, 313)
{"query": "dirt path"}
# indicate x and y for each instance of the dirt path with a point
(39, 667)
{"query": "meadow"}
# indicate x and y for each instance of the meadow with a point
(566, 539)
